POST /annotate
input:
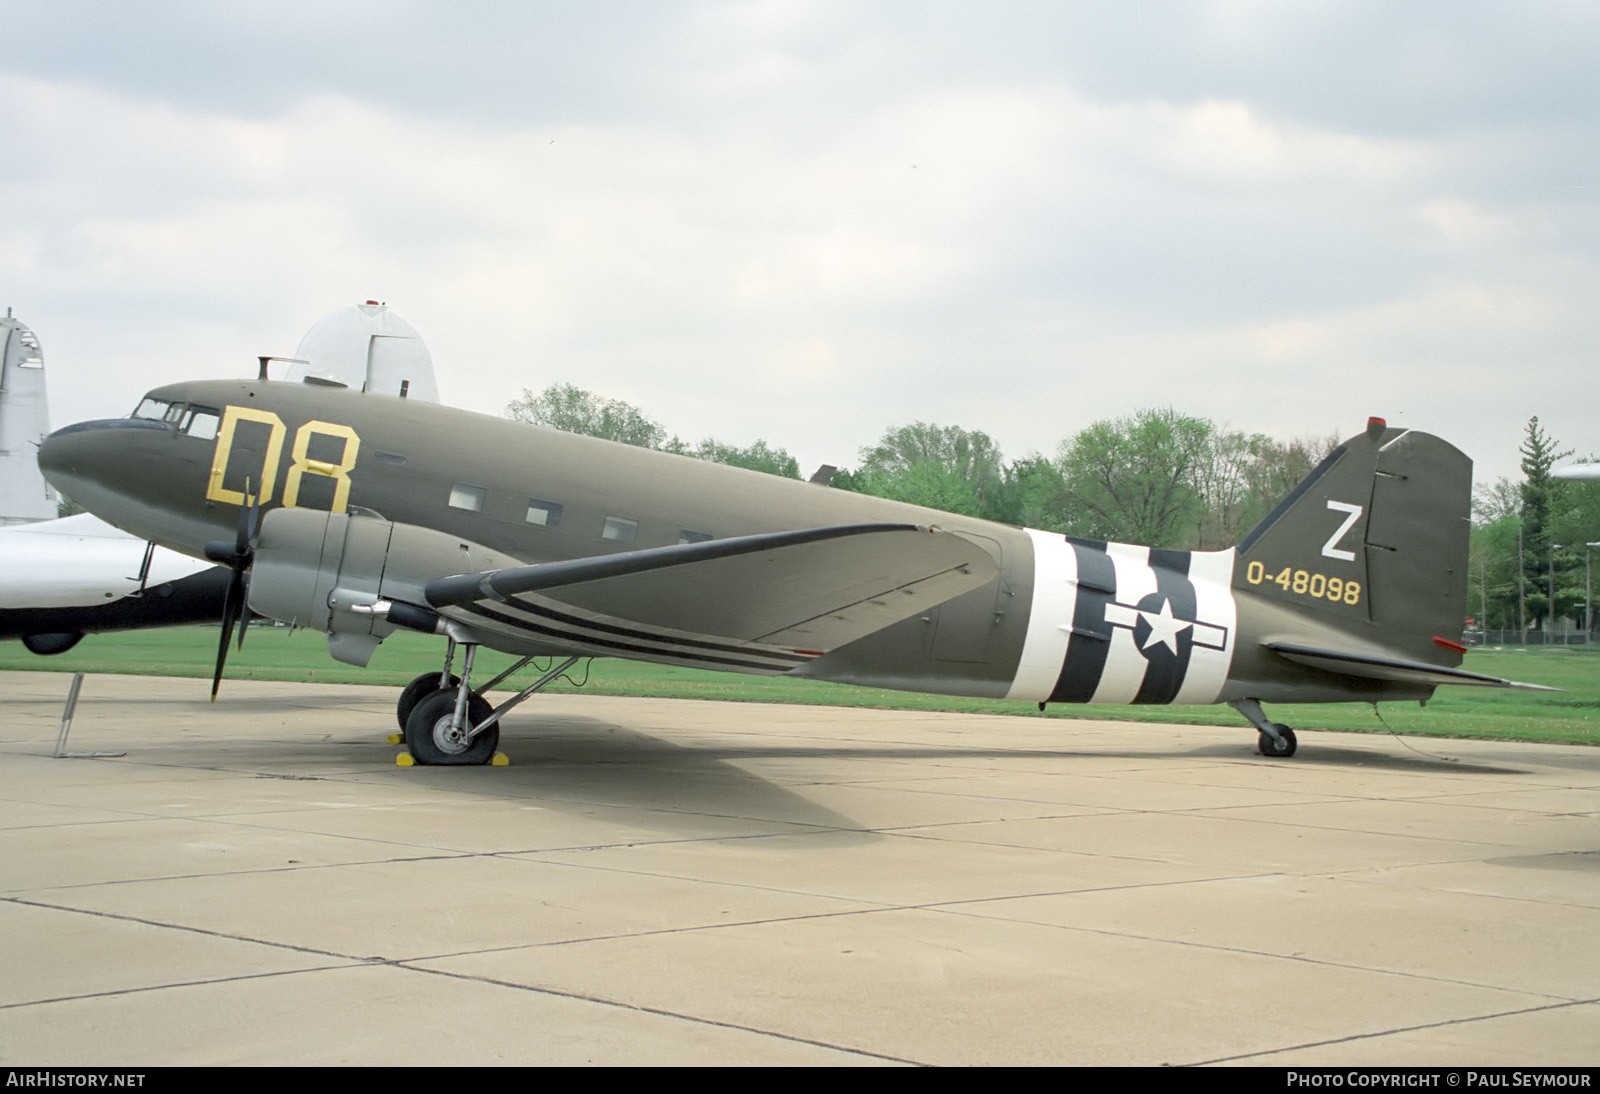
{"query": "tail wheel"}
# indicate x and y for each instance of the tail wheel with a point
(1282, 746)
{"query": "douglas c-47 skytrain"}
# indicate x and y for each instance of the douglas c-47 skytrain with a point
(356, 514)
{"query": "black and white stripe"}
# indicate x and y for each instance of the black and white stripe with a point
(1118, 623)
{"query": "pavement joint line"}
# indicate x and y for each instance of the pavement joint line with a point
(1267, 954)
(1276, 824)
(659, 932)
(868, 908)
(208, 932)
(662, 1012)
(1463, 1021)
(286, 869)
(913, 834)
(410, 964)
(143, 988)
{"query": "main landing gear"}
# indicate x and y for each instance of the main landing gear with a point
(1276, 739)
(447, 721)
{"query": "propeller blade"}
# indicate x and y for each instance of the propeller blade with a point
(247, 515)
(231, 603)
(234, 604)
(244, 612)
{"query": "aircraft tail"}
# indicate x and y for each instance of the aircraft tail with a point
(1374, 544)
(24, 420)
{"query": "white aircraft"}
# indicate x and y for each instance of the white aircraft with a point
(1580, 472)
(62, 579)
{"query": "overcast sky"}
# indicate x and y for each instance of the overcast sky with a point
(810, 221)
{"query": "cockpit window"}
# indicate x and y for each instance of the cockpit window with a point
(175, 412)
(153, 409)
(202, 422)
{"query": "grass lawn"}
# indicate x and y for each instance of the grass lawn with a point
(275, 653)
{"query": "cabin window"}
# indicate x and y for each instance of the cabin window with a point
(469, 498)
(546, 514)
(152, 409)
(620, 530)
(687, 536)
(202, 422)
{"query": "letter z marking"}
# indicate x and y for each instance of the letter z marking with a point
(1352, 514)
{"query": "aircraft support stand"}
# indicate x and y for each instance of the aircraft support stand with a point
(61, 752)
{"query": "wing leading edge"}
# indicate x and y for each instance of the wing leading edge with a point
(763, 603)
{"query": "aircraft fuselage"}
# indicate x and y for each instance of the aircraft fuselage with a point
(1063, 620)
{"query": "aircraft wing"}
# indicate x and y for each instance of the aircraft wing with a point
(764, 603)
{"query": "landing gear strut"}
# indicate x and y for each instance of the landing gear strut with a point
(1277, 739)
(453, 723)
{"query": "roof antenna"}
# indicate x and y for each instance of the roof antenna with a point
(405, 386)
(262, 375)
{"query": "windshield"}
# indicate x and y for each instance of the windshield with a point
(153, 409)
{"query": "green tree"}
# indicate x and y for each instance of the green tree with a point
(942, 467)
(1492, 572)
(1543, 502)
(1032, 494)
(1132, 479)
(755, 457)
(574, 410)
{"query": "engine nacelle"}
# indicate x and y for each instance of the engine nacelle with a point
(324, 571)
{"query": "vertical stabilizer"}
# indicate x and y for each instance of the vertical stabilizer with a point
(24, 420)
(1374, 544)
(367, 348)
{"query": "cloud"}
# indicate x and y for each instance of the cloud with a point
(809, 221)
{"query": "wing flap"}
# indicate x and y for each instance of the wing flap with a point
(730, 600)
(1384, 668)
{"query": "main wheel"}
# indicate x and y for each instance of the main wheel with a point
(1276, 748)
(432, 738)
(426, 684)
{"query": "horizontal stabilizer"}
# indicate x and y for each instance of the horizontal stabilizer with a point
(1385, 668)
(763, 602)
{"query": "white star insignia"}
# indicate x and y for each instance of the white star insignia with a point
(1164, 627)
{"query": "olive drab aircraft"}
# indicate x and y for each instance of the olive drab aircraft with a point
(358, 514)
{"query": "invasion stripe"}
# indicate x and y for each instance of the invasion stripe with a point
(1125, 666)
(1090, 643)
(1167, 669)
(1055, 590)
(1211, 656)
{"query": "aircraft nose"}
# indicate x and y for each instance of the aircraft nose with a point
(85, 461)
(58, 455)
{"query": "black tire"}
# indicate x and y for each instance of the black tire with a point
(426, 684)
(1278, 749)
(430, 736)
